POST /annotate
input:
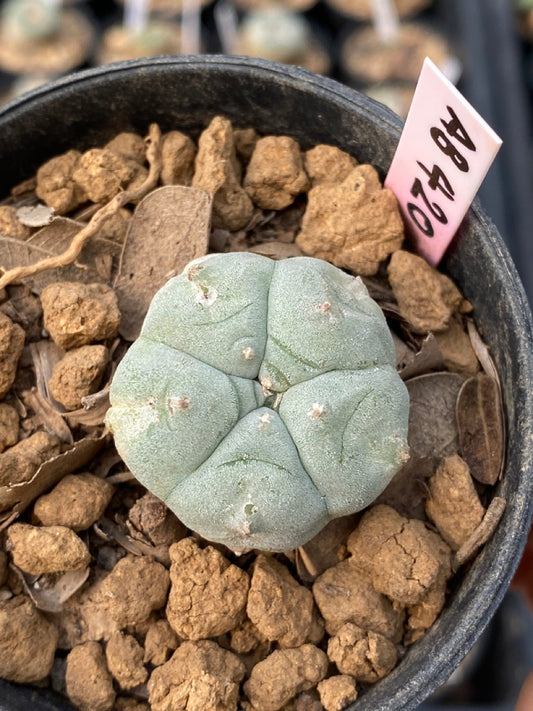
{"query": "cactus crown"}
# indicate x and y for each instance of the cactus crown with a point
(261, 399)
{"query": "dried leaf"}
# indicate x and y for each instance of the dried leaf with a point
(74, 248)
(482, 533)
(170, 227)
(25, 187)
(324, 550)
(481, 351)
(392, 312)
(37, 215)
(258, 219)
(428, 358)
(45, 355)
(121, 477)
(105, 461)
(432, 425)
(53, 240)
(404, 353)
(47, 416)
(103, 264)
(112, 532)
(407, 492)
(277, 250)
(480, 426)
(49, 592)
(19, 496)
(84, 213)
(278, 226)
(379, 289)
(48, 413)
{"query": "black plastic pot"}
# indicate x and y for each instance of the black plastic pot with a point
(186, 92)
(492, 673)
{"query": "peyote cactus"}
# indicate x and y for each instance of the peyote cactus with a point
(275, 33)
(261, 399)
(31, 20)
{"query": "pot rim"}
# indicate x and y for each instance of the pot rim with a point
(433, 658)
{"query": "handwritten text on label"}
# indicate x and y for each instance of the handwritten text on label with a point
(444, 153)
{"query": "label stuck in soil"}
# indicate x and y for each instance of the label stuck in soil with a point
(444, 152)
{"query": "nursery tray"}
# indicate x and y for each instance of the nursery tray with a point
(493, 80)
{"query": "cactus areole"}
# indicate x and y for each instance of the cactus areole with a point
(261, 399)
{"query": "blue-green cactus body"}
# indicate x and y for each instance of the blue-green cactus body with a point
(329, 325)
(217, 308)
(253, 486)
(261, 399)
(338, 423)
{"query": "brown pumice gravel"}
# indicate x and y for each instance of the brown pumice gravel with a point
(47, 549)
(143, 613)
(88, 682)
(27, 641)
(77, 375)
(77, 502)
(11, 345)
(77, 314)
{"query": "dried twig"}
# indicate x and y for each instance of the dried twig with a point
(482, 533)
(306, 561)
(153, 155)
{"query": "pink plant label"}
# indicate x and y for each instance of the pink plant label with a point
(444, 153)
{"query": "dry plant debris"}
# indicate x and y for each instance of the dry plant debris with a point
(176, 219)
(96, 572)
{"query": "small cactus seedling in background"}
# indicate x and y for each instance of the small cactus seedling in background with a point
(261, 399)
(30, 20)
(275, 33)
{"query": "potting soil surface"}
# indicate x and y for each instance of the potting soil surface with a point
(105, 595)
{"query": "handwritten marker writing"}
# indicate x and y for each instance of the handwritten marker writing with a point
(444, 153)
